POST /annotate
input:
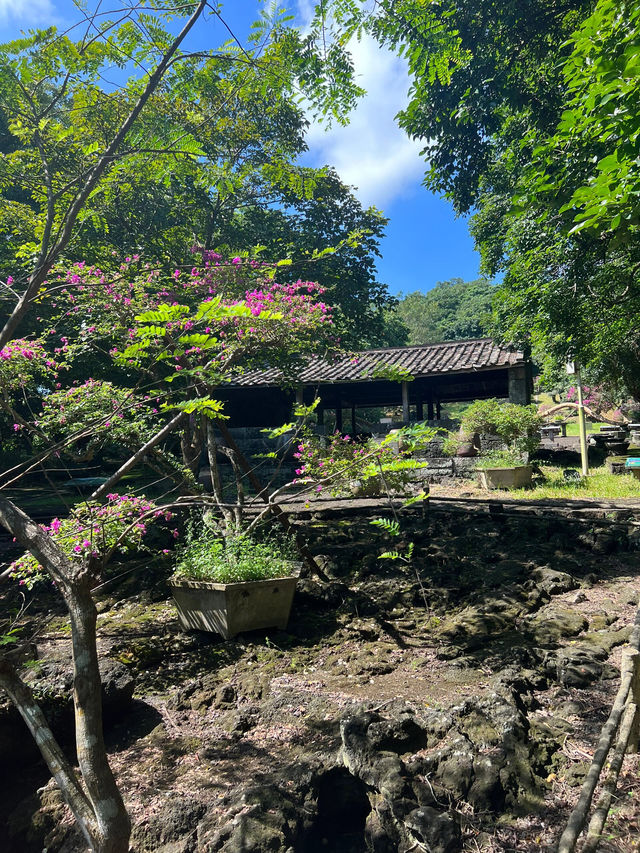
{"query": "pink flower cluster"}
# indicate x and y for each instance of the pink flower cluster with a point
(92, 530)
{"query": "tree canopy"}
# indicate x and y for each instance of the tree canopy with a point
(453, 310)
(207, 158)
(529, 115)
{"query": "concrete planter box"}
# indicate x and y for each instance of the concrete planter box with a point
(505, 478)
(231, 608)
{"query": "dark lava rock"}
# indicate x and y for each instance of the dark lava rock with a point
(553, 623)
(401, 734)
(552, 581)
(177, 822)
(578, 666)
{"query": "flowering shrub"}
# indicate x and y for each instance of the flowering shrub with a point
(104, 410)
(102, 303)
(25, 363)
(594, 396)
(92, 530)
(340, 462)
(269, 326)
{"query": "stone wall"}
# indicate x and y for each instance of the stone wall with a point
(256, 444)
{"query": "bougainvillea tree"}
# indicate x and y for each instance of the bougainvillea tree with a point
(173, 340)
(121, 331)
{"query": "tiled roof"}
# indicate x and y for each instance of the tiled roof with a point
(419, 361)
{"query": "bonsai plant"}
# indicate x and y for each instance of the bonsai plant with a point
(232, 584)
(518, 428)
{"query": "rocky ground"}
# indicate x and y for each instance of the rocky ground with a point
(451, 705)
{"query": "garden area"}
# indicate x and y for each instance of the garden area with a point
(226, 624)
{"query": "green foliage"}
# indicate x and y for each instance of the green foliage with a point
(530, 120)
(517, 426)
(592, 160)
(392, 527)
(211, 159)
(341, 465)
(206, 557)
(97, 414)
(451, 442)
(392, 372)
(499, 459)
(453, 310)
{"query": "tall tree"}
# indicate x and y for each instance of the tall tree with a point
(451, 311)
(211, 162)
(68, 146)
(498, 87)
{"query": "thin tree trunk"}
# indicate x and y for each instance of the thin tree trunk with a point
(22, 697)
(191, 445)
(231, 455)
(113, 823)
(103, 818)
(216, 483)
(138, 456)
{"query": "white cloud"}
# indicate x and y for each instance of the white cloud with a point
(39, 13)
(372, 153)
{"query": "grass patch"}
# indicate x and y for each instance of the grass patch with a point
(574, 429)
(599, 484)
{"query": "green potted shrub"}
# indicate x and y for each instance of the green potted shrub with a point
(232, 584)
(518, 429)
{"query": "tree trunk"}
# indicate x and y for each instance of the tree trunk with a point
(101, 813)
(113, 826)
(191, 445)
(216, 483)
(22, 697)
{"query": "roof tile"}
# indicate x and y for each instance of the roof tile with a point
(424, 360)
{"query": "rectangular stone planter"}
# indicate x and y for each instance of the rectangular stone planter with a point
(230, 608)
(505, 478)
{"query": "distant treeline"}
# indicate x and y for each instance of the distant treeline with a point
(451, 311)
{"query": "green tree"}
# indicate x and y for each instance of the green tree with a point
(529, 112)
(591, 163)
(68, 146)
(451, 311)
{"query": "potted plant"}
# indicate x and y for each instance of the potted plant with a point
(517, 427)
(232, 584)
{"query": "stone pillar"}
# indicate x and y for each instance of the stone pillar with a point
(519, 385)
(405, 402)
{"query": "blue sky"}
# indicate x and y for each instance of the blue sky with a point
(425, 243)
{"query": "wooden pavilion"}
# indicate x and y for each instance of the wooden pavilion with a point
(453, 371)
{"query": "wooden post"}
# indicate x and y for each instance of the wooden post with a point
(430, 410)
(405, 402)
(634, 697)
(353, 421)
(320, 415)
(419, 410)
(339, 416)
(438, 410)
